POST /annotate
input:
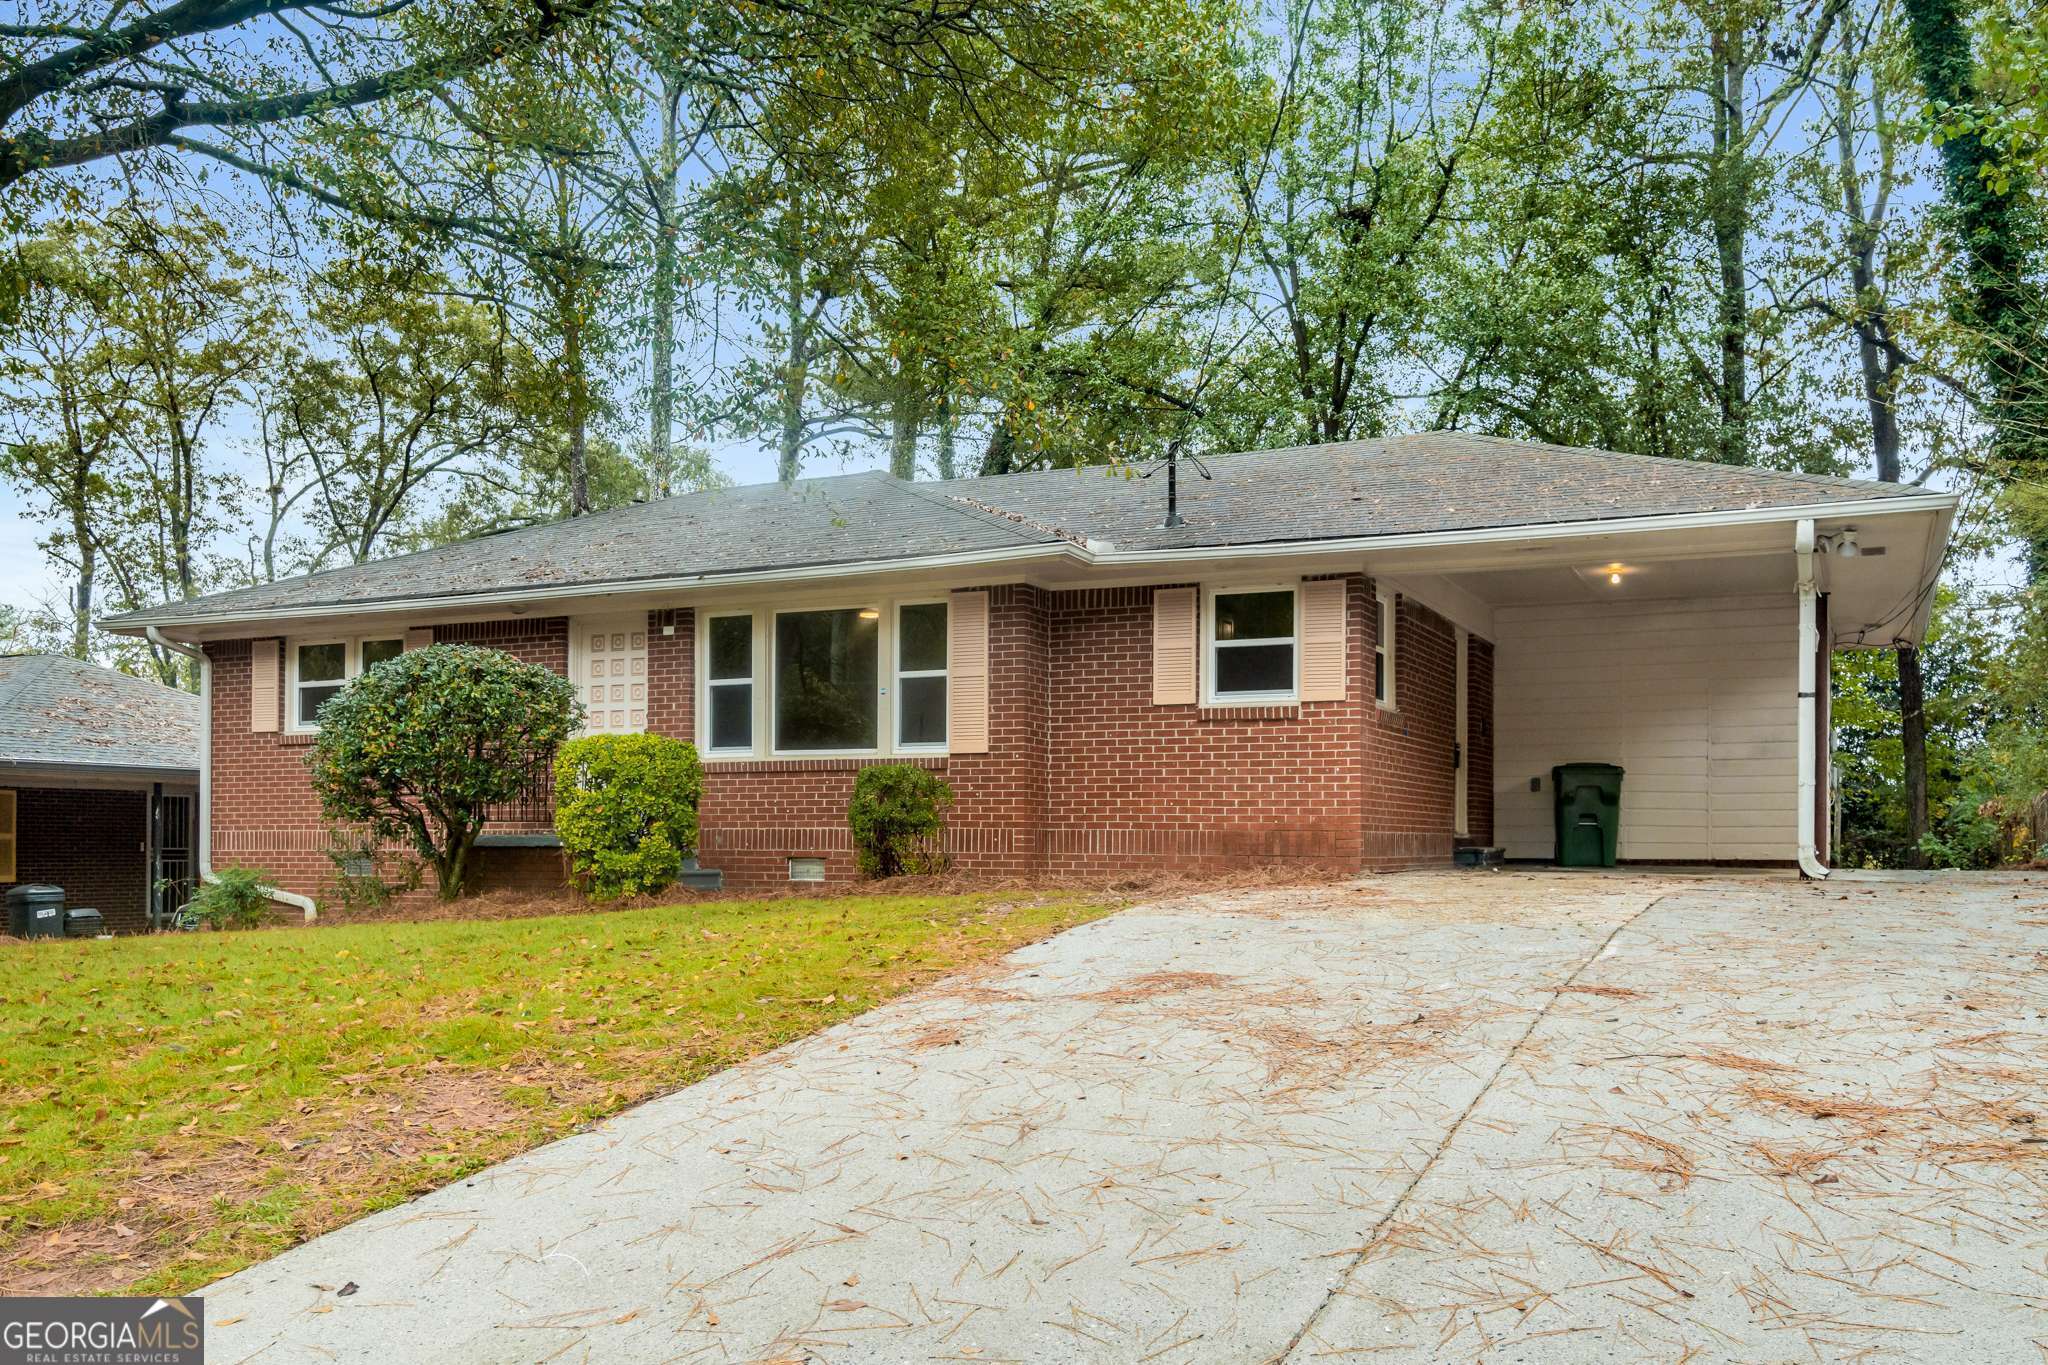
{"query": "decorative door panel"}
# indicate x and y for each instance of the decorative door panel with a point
(611, 673)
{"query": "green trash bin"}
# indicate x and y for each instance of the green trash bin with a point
(1588, 813)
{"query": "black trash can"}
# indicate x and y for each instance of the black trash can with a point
(83, 922)
(36, 911)
(1588, 813)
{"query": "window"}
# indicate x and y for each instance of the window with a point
(729, 684)
(320, 668)
(807, 869)
(827, 679)
(921, 675)
(1383, 647)
(1252, 645)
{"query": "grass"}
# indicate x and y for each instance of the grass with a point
(182, 1105)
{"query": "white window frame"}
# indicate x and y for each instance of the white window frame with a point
(764, 612)
(752, 681)
(898, 673)
(351, 669)
(884, 706)
(1210, 644)
(1384, 641)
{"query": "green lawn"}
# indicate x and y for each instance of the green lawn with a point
(181, 1105)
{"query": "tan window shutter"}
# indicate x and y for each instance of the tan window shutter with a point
(8, 844)
(419, 637)
(1174, 642)
(967, 673)
(264, 684)
(1322, 639)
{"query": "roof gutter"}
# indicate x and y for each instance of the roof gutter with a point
(204, 853)
(612, 588)
(1090, 554)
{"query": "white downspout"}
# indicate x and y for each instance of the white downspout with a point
(203, 855)
(1809, 698)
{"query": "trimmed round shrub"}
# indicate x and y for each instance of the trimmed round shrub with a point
(420, 746)
(898, 816)
(626, 808)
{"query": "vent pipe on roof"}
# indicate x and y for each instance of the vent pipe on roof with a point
(1171, 464)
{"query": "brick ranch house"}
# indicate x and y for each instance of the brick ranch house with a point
(1355, 656)
(99, 779)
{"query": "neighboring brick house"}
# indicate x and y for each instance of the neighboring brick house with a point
(99, 776)
(1351, 656)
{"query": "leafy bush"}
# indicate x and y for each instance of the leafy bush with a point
(898, 815)
(420, 745)
(626, 808)
(237, 898)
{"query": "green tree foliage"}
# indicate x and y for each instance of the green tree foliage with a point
(1998, 232)
(1984, 706)
(898, 817)
(626, 808)
(421, 746)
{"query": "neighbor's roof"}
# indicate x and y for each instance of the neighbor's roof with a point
(59, 712)
(1430, 483)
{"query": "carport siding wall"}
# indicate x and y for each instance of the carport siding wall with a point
(1697, 699)
(1084, 774)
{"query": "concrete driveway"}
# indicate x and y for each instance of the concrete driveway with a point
(1513, 1116)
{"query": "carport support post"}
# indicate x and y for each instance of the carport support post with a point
(1809, 698)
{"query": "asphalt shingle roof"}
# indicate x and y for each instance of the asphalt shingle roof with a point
(1403, 485)
(1433, 482)
(57, 711)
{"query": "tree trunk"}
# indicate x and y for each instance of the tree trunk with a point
(1728, 212)
(661, 414)
(1913, 732)
(579, 419)
(948, 467)
(88, 561)
(81, 606)
(905, 417)
(1000, 456)
(795, 384)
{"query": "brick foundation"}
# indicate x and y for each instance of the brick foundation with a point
(1084, 775)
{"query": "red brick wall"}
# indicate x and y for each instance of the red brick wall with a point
(757, 815)
(92, 843)
(264, 812)
(1406, 816)
(1084, 774)
(1138, 786)
(1479, 741)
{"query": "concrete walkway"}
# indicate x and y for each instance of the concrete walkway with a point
(1515, 1116)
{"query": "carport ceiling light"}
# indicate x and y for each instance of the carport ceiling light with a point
(1611, 574)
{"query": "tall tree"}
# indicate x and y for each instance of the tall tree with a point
(1998, 236)
(68, 397)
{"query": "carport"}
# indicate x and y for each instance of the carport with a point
(99, 777)
(1692, 652)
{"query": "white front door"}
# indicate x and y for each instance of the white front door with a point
(1460, 823)
(610, 668)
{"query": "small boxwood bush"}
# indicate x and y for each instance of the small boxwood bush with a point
(898, 817)
(626, 808)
